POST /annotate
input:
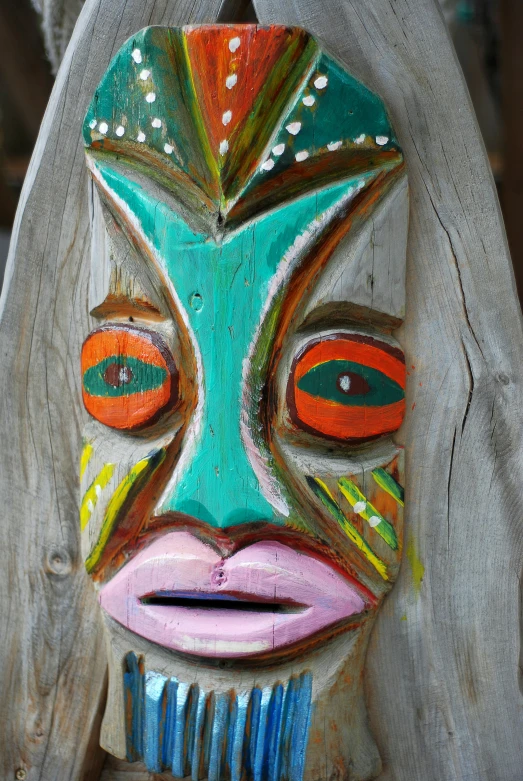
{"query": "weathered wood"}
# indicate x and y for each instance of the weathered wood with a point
(53, 676)
(511, 16)
(442, 674)
(442, 671)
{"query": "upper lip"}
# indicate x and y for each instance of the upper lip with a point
(301, 595)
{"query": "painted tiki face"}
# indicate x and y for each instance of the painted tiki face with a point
(242, 488)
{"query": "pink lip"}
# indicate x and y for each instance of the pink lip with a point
(307, 596)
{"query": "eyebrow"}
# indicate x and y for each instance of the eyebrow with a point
(122, 306)
(344, 313)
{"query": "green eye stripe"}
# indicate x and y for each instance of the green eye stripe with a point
(321, 382)
(145, 377)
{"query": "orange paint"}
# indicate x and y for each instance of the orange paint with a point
(245, 57)
(341, 422)
(351, 350)
(132, 410)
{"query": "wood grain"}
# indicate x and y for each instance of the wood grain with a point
(53, 673)
(445, 651)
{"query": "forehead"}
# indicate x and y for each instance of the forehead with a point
(233, 121)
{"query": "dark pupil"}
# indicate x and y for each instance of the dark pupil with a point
(117, 374)
(351, 384)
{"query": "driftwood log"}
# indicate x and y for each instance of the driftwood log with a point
(442, 676)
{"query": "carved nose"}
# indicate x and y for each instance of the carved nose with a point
(219, 485)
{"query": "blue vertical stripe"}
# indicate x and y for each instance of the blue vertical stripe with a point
(154, 720)
(170, 723)
(274, 729)
(134, 707)
(178, 755)
(219, 727)
(198, 736)
(255, 735)
(300, 728)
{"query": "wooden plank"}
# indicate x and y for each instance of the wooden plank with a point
(442, 671)
(511, 15)
(445, 652)
(53, 676)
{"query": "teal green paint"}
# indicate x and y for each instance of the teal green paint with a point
(145, 377)
(321, 381)
(120, 101)
(232, 278)
(343, 111)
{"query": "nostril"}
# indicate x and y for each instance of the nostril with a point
(219, 576)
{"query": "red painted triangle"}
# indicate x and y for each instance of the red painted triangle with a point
(229, 65)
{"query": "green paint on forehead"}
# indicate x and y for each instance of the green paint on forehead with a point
(230, 281)
(233, 151)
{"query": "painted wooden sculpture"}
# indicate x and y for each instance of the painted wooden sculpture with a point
(242, 491)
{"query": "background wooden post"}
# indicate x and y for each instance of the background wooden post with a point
(442, 676)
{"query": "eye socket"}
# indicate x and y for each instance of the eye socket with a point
(348, 388)
(128, 376)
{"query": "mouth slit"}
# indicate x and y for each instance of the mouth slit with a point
(224, 603)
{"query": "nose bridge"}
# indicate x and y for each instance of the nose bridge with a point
(217, 483)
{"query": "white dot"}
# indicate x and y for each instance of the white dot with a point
(382, 140)
(268, 165)
(309, 100)
(90, 506)
(359, 507)
(98, 490)
(92, 124)
(144, 75)
(344, 381)
(140, 137)
(231, 80)
(156, 122)
(150, 97)
(224, 147)
(360, 139)
(374, 521)
(137, 55)
(278, 150)
(168, 149)
(303, 155)
(234, 44)
(103, 127)
(321, 82)
(294, 128)
(333, 146)
(227, 117)
(124, 375)
(120, 130)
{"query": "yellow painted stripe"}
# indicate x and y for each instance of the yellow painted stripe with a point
(87, 452)
(354, 535)
(368, 512)
(91, 495)
(115, 505)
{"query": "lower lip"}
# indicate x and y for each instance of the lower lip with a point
(299, 597)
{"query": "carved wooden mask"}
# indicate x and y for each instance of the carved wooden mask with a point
(242, 489)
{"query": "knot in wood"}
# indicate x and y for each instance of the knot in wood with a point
(58, 562)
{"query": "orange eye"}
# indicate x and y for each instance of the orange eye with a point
(348, 387)
(128, 376)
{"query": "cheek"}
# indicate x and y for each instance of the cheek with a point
(118, 491)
